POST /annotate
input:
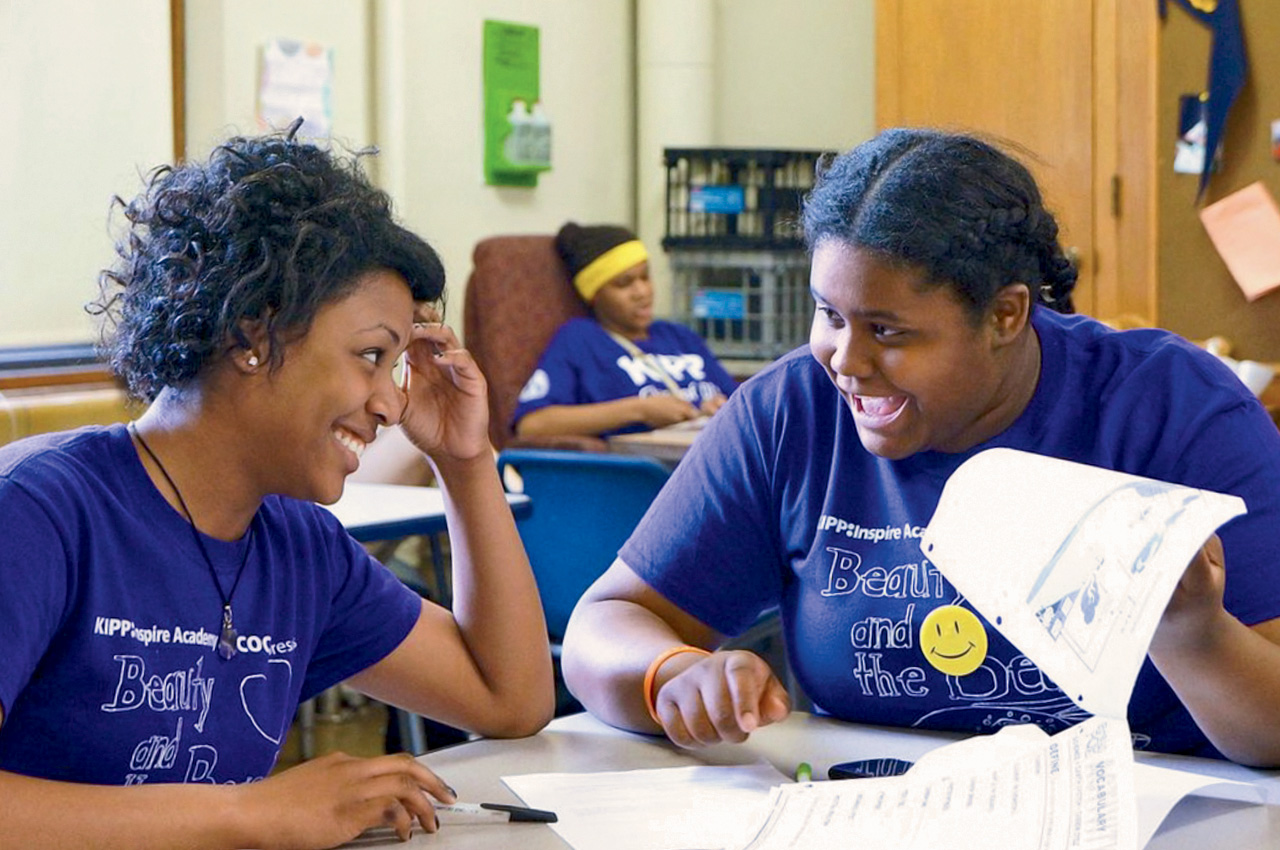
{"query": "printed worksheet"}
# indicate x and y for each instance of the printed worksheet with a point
(1072, 563)
(1017, 788)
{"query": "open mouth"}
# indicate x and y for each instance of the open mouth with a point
(878, 411)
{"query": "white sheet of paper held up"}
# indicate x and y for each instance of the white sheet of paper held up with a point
(1074, 564)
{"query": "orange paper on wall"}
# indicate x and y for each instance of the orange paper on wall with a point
(1245, 228)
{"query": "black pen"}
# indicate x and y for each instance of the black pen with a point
(491, 813)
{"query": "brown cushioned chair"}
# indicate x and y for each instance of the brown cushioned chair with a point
(517, 297)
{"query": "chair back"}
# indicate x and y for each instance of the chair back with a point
(584, 506)
(518, 295)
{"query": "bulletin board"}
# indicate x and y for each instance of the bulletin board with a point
(1198, 297)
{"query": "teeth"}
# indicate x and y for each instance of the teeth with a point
(350, 441)
(880, 405)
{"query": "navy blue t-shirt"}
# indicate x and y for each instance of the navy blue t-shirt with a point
(584, 365)
(109, 616)
(778, 504)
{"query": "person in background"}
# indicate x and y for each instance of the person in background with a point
(171, 591)
(936, 271)
(620, 370)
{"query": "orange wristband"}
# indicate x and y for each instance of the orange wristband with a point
(652, 673)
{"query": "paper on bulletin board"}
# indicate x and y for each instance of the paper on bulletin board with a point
(1245, 228)
(296, 80)
(517, 135)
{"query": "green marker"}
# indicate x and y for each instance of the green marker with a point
(804, 772)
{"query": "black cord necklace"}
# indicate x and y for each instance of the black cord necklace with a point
(227, 636)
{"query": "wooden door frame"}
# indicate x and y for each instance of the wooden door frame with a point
(1123, 137)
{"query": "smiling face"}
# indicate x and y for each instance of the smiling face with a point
(624, 305)
(336, 386)
(917, 372)
(953, 640)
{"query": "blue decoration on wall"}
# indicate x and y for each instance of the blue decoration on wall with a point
(1228, 68)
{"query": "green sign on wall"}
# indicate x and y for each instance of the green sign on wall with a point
(517, 134)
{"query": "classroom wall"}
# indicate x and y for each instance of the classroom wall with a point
(408, 76)
(223, 44)
(799, 74)
(84, 106)
(430, 107)
(781, 75)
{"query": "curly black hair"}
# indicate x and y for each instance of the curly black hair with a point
(965, 212)
(268, 230)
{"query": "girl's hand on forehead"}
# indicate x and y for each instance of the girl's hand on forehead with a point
(446, 414)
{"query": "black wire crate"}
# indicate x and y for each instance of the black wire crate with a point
(736, 198)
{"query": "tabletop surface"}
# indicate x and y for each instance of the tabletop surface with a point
(379, 511)
(581, 743)
(667, 444)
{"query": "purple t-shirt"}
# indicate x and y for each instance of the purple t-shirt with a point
(778, 504)
(109, 616)
(584, 365)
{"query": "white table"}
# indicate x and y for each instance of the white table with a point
(665, 444)
(372, 512)
(581, 743)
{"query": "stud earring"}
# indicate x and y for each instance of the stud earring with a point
(252, 361)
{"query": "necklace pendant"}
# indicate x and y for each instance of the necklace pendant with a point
(227, 639)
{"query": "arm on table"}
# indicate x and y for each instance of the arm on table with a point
(656, 411)
(621, 625)
(321, 803)
(1227, 674)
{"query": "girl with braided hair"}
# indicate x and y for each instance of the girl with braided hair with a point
(942, 328)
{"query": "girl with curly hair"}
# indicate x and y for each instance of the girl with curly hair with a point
(171, 589)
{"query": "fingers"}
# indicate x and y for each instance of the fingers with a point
(721, 699)
(396, 790)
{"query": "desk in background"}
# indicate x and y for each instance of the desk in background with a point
(373, 512)
(665, 444)
(581, 743)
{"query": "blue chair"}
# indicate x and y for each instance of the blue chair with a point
(584, 505)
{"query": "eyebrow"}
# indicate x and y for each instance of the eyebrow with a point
(884, 315)
(384, 327)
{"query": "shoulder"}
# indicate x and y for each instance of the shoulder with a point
(66, 464)
(1146, 363)
(788, 397)
(580, 327)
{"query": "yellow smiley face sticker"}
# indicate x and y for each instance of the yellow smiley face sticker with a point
(953, 640)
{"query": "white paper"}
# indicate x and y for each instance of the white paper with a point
(1072, 563)
(703, 807)
(1017, 789)
(1160, 788)
(296, 79)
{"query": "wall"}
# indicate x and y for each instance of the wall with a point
(408, 75)
(1198, 297)
(799, 74)
(429, 121)
(783, 75)
(84, 108)
(224, 38)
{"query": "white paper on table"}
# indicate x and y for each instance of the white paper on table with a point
(704, 807)
(1074, 564)
(1160, 788)
(1018, 789)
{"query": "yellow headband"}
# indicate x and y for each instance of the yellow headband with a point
(607, 266)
